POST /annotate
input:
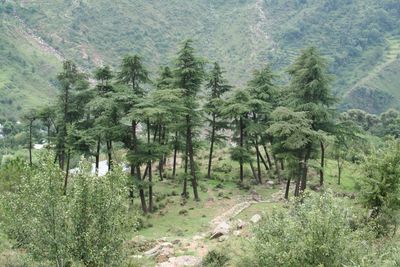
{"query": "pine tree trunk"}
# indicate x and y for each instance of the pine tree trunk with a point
(339, 167)
(277, 168)
(287, 189)
(175, 152)
(30, 143)
(305, 169)
(97, 157)
(191, 160)
(321, 171)
(241, 146)
(150, 170)
(263, 161)
(254, 172)
(268, 157)
(137, 168)
(109, 152)
(67, 172)
(258, 162)
(211, 147)
(184, 191)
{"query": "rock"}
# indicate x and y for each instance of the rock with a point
(256, 218)
(197, 237)
(237, 233)
(176, 242)
(181, 261)
(240, 224)
(221, 229)
(270, 183)
(223, 238)
(163, 251)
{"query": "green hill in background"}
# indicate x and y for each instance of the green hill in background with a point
(359, 37)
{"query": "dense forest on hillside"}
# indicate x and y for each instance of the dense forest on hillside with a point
(124, 169)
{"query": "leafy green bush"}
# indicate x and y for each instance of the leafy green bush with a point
(215, 258)
(84, 226)
(380, 189)
(316, 231)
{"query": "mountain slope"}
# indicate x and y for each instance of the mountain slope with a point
(240, 34)
(27, 70)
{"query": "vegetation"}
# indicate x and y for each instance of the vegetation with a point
(129, 166)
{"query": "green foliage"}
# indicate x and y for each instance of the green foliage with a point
(380, 189)
(316, 231)
(83, 226)
(215, 258)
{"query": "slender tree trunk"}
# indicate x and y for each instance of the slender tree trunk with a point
(211, 147)
(131, 195)
(287, 189)
(67, 172)
(268, 157)
(298, 179)
(161, 162)
(339, 168)
(150, 170)
(184, 192)
(254, 172)
(282, 164)
(97, 157)
(109, 152)
(258, 162)
(277, 168)
(321, 171)
(305, 169)
(137, 168)
(175, 152)
(263, 161)
(191, 160)
(241, 146)
(30, 143)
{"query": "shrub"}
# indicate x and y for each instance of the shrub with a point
(315, 232)
(215, 258)
(86, 225)
(380, 188)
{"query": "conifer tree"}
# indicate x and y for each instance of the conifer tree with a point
(310, 92)
(189, 75)
(134, 74)
(217, 86)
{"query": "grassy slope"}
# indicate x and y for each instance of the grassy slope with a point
(26, 72)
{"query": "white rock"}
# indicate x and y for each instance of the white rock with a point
(221, 229)
(240, 224)
(237, 233)
(256, 218)
(181, 261)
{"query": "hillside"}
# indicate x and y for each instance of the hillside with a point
(358, 37)
(27, 74)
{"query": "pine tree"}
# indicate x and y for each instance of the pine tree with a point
(310, 92)
(134, 74)
(217, 86)
(189, 75)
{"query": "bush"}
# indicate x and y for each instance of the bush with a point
(317, 232)
(86, 225)
(215, 258)
(380, 188)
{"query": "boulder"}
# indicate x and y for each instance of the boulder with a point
(221, 229)
(181, 261)
(237, 233)
(223, 238)
(162, 251)
(240, 224)
(256, 218)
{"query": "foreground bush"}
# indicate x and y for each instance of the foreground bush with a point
(83, 226)
(318, 232)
